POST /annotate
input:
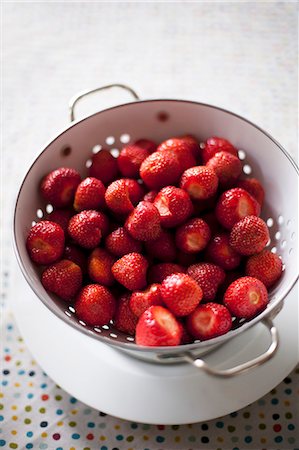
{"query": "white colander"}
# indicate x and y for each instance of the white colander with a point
(158, 120)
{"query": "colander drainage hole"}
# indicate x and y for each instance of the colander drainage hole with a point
(130, 338)
(110, 140)
(33, 223)
(241, 154)
(98, 330)
(49, 208)
(273, 249)
(68, 313)
(289, 223)
(290, 251)
(283, 244)
(113, 335)
(82, 323)
(40, 213)
(105, 327)
(293, 235)
(280, 220)
(202, 145)
(268, 243)
(96, 149)
(88, 163)
(247, 169)
(270, 222)
(114, 152)
(66, 151)
(125, 138)
(71, 309)
(278, 235)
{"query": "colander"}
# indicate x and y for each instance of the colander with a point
(158, 120)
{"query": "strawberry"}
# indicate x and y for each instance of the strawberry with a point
(150, 196)
(235, 204)
(160, 169)
(124, 319)
(122, 195)
(90, 194)
(209, 320)
(130, 271)
(182, 149)
(250, 235)
(104, 167)
(193, 144)
(130, 159)
(158, 327)
(254, 187)
(142, 300)
(75, 254)
(227, 167)
(181, 294)
(158, 272)
(193, 236)
(186, 259)
(88, 227)
(45, 242)
(214, 145)
(230, 277)
(246, 297)
(147, 144)
(174, 206)
(200, 182)
(120, 242)
(59, 186)
(213, 223)
(61, 216)
(162, 248)
(95, 305)
(221, 253)
(209, 277)
(63, 278)
(100, 263)
(143, 223)
(265, 266)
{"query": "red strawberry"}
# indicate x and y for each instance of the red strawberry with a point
(142, 300)
(193, 236)
(88, 227)
(213, 223)
(160, 169)
(200, 182)
(221, 253)
(186, 336)
(95, 305)
(265, 266)
(63, 278)
(158, 327)
(193, 144)
(162, 248)
(100, 263)
(90, 194)
(130, 271)
(45, 242)
(235, 204)
(158, 272)
(143, 223)
(75, 254)
(250, 235)
(182, 149)
(150, 196)
(214, 145)
(130, 159)
(181, 294)
(122, 195)
(246, 297)
(209, 277)
(186, 259)
(120, 242)
(147, 144)
(230, 277)
(254, 187)
(124, 319)
(208, 321)
(59, 186)
(174, 206)
(227, 167)
(104, 167)
(61, 216)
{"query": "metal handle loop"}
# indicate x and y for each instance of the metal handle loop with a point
(259, 360)
(82, 94)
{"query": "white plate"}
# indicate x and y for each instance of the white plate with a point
(125, 387)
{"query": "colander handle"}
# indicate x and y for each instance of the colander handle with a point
(258, 361)
(82, 94)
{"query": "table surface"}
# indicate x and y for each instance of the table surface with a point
(240, 56)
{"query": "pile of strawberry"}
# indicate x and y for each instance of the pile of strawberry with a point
(164, 241)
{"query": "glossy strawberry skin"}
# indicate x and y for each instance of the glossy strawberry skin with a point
(150, 196)
(63, 278)
(160, 169)
(208, 321)
(193, 236)
(87, 228)
(235, 204)
(90, 194)
(142, 300)
(45, 242)
(265, 266)
(143, 224)
(75, 254)
(119, 242)
(182, 149)
(227, 167)
(124, 319)
(158, 272)
(254, 187)
(59, 186)
(200, 182)
(193, 145)
(181, 294)
(249, 236)
(221, 253)
(104, 167)
(246, 297)
(130, 271)
(61, 216)
(122, 195)
(95, 305)
(158, 327)
(174, 206)
(162, 248)
(209, 277)
(100, 263)
(130, 159)
(147, 144)
(214, 145)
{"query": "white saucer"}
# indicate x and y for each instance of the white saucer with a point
(122, 386)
